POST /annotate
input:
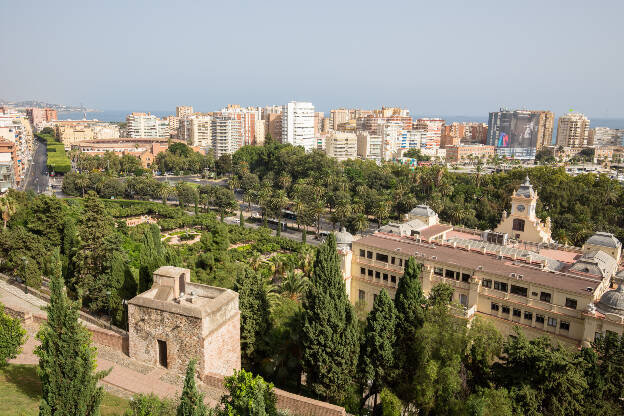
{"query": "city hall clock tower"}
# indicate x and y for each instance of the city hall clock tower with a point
(522, 223)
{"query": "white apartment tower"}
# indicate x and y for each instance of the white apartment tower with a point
(141, 125)
(226, 135)
(298, 124)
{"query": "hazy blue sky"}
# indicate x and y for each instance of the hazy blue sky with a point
(433, 57)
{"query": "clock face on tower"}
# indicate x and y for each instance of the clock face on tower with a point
(520, 208)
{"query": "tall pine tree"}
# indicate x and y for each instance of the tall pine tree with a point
(191, 401)
(377, 348)
(94, 259)
(66, 358)
(330, 336)
(409, 302)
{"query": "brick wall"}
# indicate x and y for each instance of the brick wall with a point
(294, 403)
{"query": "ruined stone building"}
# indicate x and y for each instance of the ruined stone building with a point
(177, 320)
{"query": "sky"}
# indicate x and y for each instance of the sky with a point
(432, 57)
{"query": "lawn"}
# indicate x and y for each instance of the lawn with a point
(20, 392)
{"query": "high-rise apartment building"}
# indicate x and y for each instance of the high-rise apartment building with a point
(147, 126)
(369, 146)
(433, 129)
(226, 135)
(341, 146)
(604, 136)
(572, 130)
(298, 124)
(201, 131)
(519, 134)
(38, 116)
(184, 111)
(338, 116)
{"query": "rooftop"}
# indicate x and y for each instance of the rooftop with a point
(173, 292)
(489, 263)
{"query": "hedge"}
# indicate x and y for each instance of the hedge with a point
(57, 158)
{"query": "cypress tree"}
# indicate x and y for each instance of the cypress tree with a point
(66, 358)
(330, 334)
(377, 348)
(151, 258)
(255, 315)
(191, 401)
(409, 302)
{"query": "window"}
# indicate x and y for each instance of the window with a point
(570, 303)
(374, 298)
(362, 271)
(381, 257)
(393, 279)
(362, 253)
(370, 272)
(545, 297)
(494, 306)
(518, 225)
(517, 313)
(552, 322)
(449, 273)
(539, 319)
(377, 275)
(534, 293)
(400, 262)
(463, 299)
(369, 254)
(487, 283)
(385, 277)
(519, 290)
(162, 353)
(392, 260)
(506, 310)
(465, 277)
(565, 326)
(502, 286)
(362, 296)
(438, 271)
(528, 316)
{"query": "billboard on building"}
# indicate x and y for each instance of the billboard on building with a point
(518, 131)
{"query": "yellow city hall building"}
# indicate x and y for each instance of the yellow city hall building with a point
(513, 276)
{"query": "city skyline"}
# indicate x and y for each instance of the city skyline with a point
(440, 59)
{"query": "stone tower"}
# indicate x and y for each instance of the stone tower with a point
(176, 321)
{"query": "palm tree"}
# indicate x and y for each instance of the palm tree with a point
(382, 211)
(360, 223)
(294, 286)
(8, 207)
(82, 182)
(165, 192)
(277, 203)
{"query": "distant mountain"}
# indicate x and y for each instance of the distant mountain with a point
(61, 108)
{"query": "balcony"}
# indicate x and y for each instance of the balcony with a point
(381, 264)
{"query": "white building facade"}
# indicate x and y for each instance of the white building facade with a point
(298, 124)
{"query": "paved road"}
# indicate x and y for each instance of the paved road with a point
(35, 178)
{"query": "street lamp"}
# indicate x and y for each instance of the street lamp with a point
(110, 317)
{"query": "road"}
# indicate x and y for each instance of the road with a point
(35, 178)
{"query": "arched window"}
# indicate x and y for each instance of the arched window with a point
(518, 224)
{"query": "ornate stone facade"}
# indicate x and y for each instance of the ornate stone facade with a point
(177, 320)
